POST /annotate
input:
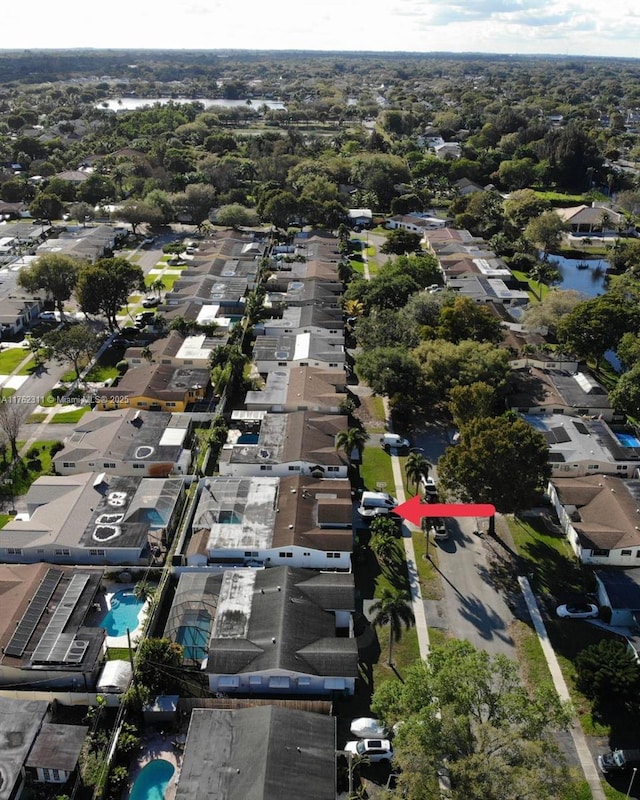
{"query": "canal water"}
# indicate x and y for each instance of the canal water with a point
(591, 281)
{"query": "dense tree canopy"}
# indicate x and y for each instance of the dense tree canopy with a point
(489, 452)
(469, 709)
(104, 287)
(54, 274)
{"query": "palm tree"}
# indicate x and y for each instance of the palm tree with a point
(383, 545)
(350, 440)
(605, 222)
(393, 608)
(147, 353)
(415, 467)
(157, 287)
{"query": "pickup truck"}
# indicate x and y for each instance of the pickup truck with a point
(619, 760)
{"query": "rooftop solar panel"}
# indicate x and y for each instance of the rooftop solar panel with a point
(32, 616)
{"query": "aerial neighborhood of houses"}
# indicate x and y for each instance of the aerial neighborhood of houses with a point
(254, 558)
(218, 534)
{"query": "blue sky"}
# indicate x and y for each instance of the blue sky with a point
(562, 27)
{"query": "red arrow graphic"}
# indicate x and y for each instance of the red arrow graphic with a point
(414, 510)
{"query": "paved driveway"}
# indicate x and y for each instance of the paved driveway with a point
(472, 606)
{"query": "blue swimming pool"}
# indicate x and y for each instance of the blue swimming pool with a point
(123, 613)
(627, 439)
(152, 780)
(248, 438)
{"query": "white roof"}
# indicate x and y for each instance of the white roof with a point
(116, 677)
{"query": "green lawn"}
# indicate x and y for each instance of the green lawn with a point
(11, 358)
(70, 416)
(35, 419)
(376, 470)
(31, 467)
(7, 391)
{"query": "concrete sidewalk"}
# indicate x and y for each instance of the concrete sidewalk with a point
(579, 740)
(417, 602)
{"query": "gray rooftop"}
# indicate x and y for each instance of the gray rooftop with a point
(125, 434)
(260, 753)
(20, 721)
(57, 747)
(265, 620)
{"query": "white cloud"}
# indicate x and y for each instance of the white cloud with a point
(580, 27)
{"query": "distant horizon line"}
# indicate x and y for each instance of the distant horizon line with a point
(296, 51)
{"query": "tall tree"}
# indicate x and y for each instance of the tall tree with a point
(104, 287)
(393, 608)
(546, 230)
(489, 452)
(53, 273)
(470, 710)
(416, 466)
(74, 343)
(471, 402)
(12, 415)
(354, 438)
(466, 319)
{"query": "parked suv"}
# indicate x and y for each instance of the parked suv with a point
(439, 529)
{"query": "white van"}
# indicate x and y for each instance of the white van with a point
(393, 440)
(374, 504)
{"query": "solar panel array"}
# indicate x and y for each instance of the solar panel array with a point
(33, 614)
(54, 644)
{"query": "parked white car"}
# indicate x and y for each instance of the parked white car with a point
(373, 749)
(368, 727)
(578, 611)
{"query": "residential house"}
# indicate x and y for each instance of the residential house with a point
(278, 631)
(265, 752)
(465, 187)
(297, 522)
(448, 151)
(92, 518)
(145, 444)
(316, 320)
(17, 313)
(20, 721)
(360, 217)
(85, 242)
(588, 220)
(229, 294)
(414, 223)
(156, 387)
(302, 442)
(619, 590)
(488, 290)
(55, 753)
(580, 447)
(558, 391)
(299, 350)
(45, 642)
(282, 291)
(471, 265)
(600, 515)
(177, 350)
(300, 389)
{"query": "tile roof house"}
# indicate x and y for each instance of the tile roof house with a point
(45, 641)
(588, 219)
(273, 631)
(302, 442)
(156, 387)
(263, 752)
(145, 444)
(600, 515)
(92, 518)
(297, 522)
